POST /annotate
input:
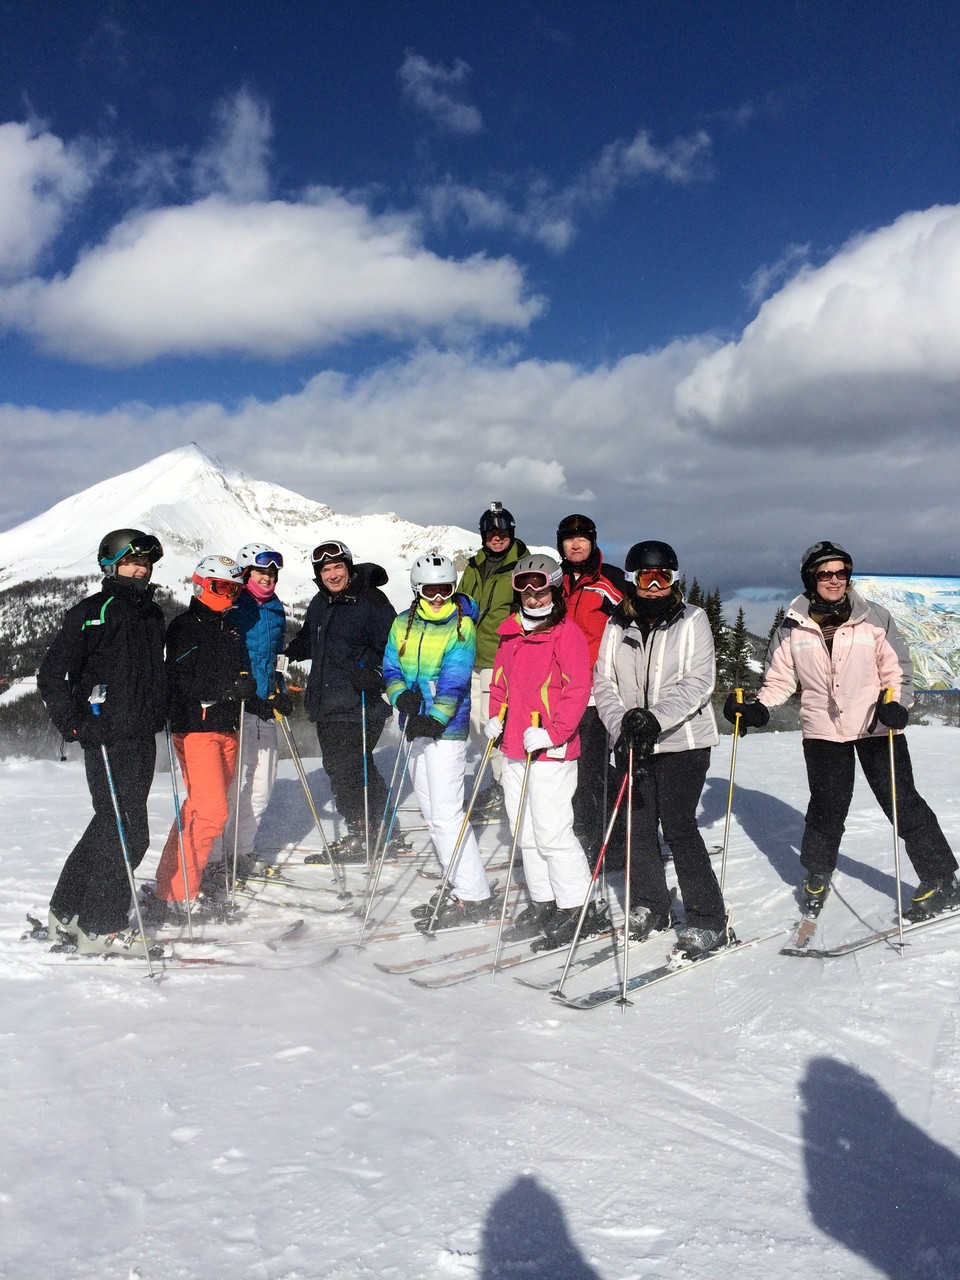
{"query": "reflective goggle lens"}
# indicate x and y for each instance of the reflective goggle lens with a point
(148, 546)
(329, 551)
(433, 590)
(647, 578)
(532, 580)
(220, 587)
(268, 560)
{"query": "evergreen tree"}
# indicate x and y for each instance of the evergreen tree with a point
(713, 607)
(741, 673)
(778, 618)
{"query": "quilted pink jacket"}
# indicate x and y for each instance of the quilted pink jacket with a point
(839, 689)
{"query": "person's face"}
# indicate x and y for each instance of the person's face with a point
(832, 578)
(134, 567)
(497, 541)
(335, 575)
(576, 549)
(436, 594)
(535, 597)
(263, 577)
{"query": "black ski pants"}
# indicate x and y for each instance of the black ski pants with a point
(589, 815)
(341, 746)
(669, 795)
(830, 773)
(93, 884)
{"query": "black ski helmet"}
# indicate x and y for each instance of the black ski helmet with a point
(127, 542)
(576, 527)
(820, 553)
(651, 555)
(497, 519)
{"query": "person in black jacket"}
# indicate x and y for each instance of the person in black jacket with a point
(110, 645)
(208, 680)
(344, 635)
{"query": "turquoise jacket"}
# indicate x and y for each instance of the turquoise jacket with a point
(435, 654)
(262, 627)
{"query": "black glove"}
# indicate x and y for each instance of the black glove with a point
(259, 707)
(753, 714)
(409, 702)
(244, 688)
(893, 714)
(92, 733)
(283, 702)
(366, 680)
(423, 727)
(642, 755)
(641, 728)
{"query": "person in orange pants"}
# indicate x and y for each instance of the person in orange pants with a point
(208, 681)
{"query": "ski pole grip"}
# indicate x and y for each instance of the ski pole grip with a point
(739, 693)
(888, 695)
(535, 719)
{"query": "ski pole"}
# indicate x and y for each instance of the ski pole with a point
(518, 825)
(366, 775)
(733, 765)
(374, 880)
(623, 1001)
(596, 871)
(302, 775)
(232, 878)
(389, 796)
(453, 862)
(888, 697)
(183, 852)
(126, 859)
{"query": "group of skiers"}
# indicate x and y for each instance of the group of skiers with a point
(575, 679)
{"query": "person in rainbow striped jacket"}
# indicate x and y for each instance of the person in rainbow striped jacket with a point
(427, 667)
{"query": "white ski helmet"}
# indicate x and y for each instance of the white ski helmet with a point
(217, 581)
(432, 570)
(536, 570)
(259, 555)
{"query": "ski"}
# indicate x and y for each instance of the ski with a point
(492, 866)
(340, 909)
(511, 955)
(798, 943)
(673, 966)
(879, 935)
(165, 962)
(272, 940)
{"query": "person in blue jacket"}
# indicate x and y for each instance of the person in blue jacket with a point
(261, 619)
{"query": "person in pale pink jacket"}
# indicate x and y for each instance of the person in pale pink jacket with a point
(542, 670)
(845, 653)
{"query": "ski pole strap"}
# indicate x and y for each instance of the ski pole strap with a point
(886, 695)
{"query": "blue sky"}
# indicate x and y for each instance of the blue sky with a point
(692, 268)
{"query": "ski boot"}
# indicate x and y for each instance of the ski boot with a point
(816, 886)
(560, 928)
(931, 897)
(425, 910)
(531, 922)
(125, 943)
(455, 912)
(695, 943)
(643, 922)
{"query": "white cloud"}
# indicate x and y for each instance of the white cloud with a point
(771, 276)
(267, 278)
(42, 180)
(868, 343)
(234, 163)
(549, 214)
(438, 91)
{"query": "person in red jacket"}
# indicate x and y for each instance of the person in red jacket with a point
(592, 591)
(542, 671)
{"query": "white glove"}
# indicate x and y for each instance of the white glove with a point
(535, 739)
(493, 728)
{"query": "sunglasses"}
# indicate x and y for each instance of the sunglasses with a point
(330, 551)
(824, 575)
(268, 560)
(220, 587)
(647, 578)
(434, 589)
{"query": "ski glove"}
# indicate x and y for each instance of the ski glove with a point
(493, 729)
(641, 728)
(244, 689)
(893, 714)
(92, 733)
(366, 680)
(409, 702)
(423, 727)
(641, 755)
(753, 714)
(282, 702)
(536, 739)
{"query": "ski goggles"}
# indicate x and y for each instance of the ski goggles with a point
(267, 560)
(221, 587)
(647, 578)
(328, 551)
(531, 580)
(435, 590)
(147, 546)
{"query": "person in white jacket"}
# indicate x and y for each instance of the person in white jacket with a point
(653, 682)
(844, 653)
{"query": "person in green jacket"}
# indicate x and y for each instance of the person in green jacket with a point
(487, 579)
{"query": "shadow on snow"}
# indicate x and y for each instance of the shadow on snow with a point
(525, 1235)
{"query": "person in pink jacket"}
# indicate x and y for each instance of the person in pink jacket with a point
(845, 652)
(542, 675)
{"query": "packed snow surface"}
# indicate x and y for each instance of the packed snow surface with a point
(755, 1117)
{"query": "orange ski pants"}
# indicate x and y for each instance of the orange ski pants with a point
(207, 762)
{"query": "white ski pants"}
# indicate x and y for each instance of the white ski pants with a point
(436, 771)
(258, 772)
(554, 862)
(479, 715)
